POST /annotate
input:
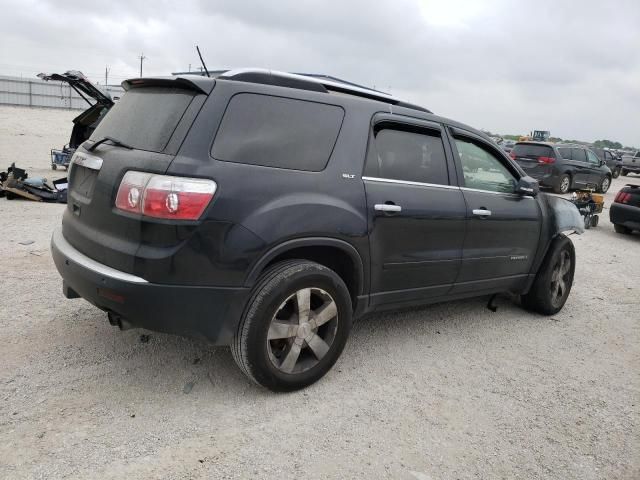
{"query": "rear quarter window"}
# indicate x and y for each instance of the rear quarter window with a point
(277, 132)
(565, 153)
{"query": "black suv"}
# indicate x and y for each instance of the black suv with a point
(266, 210)
(562, 167)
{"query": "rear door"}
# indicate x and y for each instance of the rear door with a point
(581, 168)
(503, 228)
(416, 214)
(150, 120)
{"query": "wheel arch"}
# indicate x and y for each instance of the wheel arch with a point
(333, 253)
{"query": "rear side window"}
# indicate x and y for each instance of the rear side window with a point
(145, 117)
(533, 151)
(578, 154)
(407, 155)
(277, 132)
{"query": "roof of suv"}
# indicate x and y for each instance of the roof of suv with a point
(309, 82)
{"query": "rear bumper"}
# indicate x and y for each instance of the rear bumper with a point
(625, 215)
(211, 313)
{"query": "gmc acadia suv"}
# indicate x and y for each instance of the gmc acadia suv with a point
(266, 210)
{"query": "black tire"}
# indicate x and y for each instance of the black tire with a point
(563, 185)
(616, 172)
(621, 229)
(587, 222)
(624, 172)
(256, 354)
(542, 298)
(594, 221)
(54, 166)
(605, 184)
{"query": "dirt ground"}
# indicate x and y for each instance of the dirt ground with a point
(452, 391)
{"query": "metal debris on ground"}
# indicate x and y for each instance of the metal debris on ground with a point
(15, 183)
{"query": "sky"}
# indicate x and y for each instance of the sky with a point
(568, 66)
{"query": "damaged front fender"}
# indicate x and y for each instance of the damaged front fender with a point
(563, 216)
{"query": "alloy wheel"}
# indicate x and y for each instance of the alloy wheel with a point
(302, 330)
(560, 278)
(564, 185)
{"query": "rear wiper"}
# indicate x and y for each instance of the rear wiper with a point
(115, 141)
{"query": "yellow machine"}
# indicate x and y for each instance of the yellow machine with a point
(536, 136)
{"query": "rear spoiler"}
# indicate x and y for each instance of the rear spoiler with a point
(191, 82)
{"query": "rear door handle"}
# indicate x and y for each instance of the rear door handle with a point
(384, 207)
(481, 212)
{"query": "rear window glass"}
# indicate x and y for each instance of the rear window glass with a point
(145, 117)
(529, 150)
(277, 132)
(409, 156)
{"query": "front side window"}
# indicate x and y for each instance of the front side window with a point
(407, 155)
(483, 170)
(592, 158)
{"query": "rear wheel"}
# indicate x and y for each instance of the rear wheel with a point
(616, 172)
(553, 282)
(605, 184)
(624, 172)
(621, 229)
(295, 326)
(563, 185)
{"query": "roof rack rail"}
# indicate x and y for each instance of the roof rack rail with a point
(313, 82)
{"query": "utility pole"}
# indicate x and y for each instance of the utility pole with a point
(106, 76)
(189, 67)
(141, 57)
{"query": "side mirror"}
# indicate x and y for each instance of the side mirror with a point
(601, 162)
(527, 186)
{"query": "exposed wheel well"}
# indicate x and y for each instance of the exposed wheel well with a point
(331, 257)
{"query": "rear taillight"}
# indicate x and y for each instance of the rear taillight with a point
(622, 197)
(162, 196)
(512, 155)
(546, 160)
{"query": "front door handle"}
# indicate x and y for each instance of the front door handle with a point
(385, 207)
(481, 212)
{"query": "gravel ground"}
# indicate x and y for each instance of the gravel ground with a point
(452, 391)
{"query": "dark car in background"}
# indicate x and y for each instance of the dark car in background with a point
(624, 212)
(631, 163)
(613, 161)
(508, 145)
(562, 167)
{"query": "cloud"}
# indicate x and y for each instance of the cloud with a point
(572, 67)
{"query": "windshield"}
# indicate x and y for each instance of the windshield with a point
(145, 118)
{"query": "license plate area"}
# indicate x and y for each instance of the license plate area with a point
(82, 182)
